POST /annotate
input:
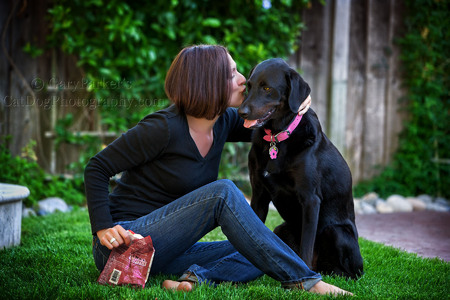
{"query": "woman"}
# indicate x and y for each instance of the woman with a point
(169, 188)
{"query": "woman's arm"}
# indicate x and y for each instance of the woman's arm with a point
(139, 145)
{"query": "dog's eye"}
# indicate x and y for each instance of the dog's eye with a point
(267, 88)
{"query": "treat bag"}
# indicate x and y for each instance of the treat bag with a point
(129, 265)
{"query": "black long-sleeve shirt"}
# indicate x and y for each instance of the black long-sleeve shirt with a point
(160, 163)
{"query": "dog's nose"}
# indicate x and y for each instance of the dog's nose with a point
(243, 111)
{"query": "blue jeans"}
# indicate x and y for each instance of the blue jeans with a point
(250, 251)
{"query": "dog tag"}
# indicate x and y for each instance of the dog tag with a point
(273, 151)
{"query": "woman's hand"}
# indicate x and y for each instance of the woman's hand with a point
(304, 106)
(114, 237)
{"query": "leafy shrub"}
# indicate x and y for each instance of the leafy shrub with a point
(24, 170)
(125, 47)
(422, 162)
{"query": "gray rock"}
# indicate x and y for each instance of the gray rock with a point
(442, 201)
(357, 206)
(383, 207)
(28, 212)
(367, 208)
(417, 204)
(399, 203)
(437, 207)
(425, 198)
(50, 205)
(370, 198)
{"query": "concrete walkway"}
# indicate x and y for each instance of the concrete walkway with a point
(426, 233)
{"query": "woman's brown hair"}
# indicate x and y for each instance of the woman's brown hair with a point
(199, 81)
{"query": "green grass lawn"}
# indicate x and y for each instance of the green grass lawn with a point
(55, 261)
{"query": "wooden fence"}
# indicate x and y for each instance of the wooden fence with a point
(346, 54)
(36, 93)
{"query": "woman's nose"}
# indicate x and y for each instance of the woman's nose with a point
(242, 79)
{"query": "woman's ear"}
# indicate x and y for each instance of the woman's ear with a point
(298, 90)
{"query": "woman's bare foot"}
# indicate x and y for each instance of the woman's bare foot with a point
(324, 288)
(184, 286)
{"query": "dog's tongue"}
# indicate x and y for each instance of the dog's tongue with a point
(249, 123)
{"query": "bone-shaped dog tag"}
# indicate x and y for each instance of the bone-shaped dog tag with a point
(273, 151)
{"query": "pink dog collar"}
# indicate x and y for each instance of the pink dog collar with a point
(281, 136)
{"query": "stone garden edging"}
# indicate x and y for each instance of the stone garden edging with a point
(371, 203)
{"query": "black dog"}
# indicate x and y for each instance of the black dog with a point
(304, 176)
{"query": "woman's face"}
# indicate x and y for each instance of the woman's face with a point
(238, 85)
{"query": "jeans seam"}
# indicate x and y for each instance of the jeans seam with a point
(97, 249)
(219, 263)
(205, 249)
(99, 253)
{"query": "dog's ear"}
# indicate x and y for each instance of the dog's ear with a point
(298, 90)
(251, 72)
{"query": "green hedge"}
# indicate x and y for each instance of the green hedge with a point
(24, 170)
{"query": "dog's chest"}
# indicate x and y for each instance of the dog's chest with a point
(273, 164)
(277, 175)
(276, 182)
(284, 196)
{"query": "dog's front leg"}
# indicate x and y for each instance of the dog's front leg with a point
(310, 219)
(260, 196)
(260, 203)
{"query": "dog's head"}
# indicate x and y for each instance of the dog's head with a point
(274, 91)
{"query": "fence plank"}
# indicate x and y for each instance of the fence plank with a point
(377, 65)
(339, 73)
(75, 102)
(356, 87)
(20, 111)
(314, 56)
(394, 84)
(5, 8)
